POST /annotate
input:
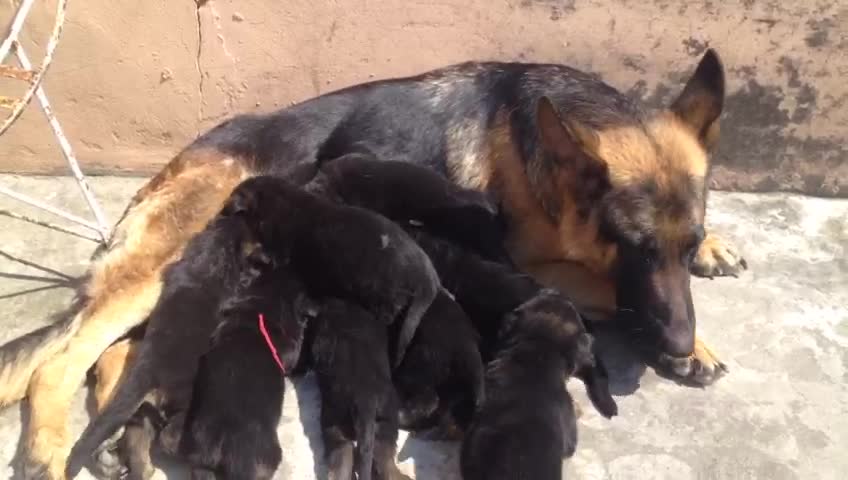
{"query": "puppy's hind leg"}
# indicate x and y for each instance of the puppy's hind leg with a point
(385, 442)
(338, 453)
(134, 447)
(365, 425)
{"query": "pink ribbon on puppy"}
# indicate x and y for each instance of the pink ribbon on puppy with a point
(270, 343)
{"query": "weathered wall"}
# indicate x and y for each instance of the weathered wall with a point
(135, 81)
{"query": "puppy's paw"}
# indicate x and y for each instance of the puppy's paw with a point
(717, 258)
(108, 465)
(702, 367)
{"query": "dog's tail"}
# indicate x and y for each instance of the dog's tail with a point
(365, 427)
(22, 356)
(127, 399)
(423, 297)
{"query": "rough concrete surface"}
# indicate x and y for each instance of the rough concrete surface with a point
(782, 412)
(133, 82)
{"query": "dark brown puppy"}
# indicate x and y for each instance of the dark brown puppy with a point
(230, 430)
(341, 251)
(177, 333)
(442, 367)
(348, 352)
(406, 192)
(527, 423)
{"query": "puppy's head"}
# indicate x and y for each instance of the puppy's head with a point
(550, 315)
(268, 205)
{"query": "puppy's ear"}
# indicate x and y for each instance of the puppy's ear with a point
(569, 160)
(509, 323)
(593, 373)
(306, 308)
(241, 201)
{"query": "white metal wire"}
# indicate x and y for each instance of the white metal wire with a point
(11, 42)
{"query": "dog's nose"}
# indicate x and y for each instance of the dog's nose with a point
(677, 343)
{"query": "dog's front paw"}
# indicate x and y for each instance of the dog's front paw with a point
(702, 367)
(717, 258)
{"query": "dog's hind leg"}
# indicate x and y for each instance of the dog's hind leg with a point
(124, 285)
(108, 371)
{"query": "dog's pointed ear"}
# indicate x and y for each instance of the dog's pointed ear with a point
(568, 138)
(702, 100)
(569, 159)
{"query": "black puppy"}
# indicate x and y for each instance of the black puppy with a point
(406, 192)
(527, 423)
(341, 251)
(442, 368)
(485, 290)
(347, 350)
(230, 430)
(177, 332)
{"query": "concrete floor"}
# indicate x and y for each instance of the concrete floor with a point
(781, 413)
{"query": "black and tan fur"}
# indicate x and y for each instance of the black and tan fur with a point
(484, 126)
(341, 251)
(347, 349)
(442, 372)
(528, 422)
(230, 428)
(177, 334)
(414, 194)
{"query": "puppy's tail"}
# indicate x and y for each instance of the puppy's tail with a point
(22, 356)
(128, 398)
(421, 301)
(366, 431)
(472, 374)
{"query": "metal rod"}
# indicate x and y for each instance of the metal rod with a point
(38, 75)
(55, 211)
(67, 150)
(15, 28)
(50, 225)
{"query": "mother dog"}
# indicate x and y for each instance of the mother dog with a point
(603, 200)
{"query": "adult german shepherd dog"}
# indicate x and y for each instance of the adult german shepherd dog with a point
(603, 200)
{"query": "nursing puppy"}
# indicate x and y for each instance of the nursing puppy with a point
(230, 429)
(527, 423)
(348, 352)
(442, 368)
(406, 192)
(341, 251)
(177, 333)
(485, 290)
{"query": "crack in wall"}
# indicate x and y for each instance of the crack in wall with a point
(197, 5)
